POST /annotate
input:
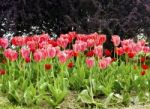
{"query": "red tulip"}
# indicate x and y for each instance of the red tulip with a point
(52, 42)
(32, 45)
(70, 65)
(48, 66)
(131, 54)
(119, 51)
(2, 71)
(144, 66)
(72, 35)
(43, 37)
(113, 59)
(75, 54)
(107, 52)
(142, 59)
(101, 39)
(27, 59)
(18, 41)
(143, 73)
(90, 53)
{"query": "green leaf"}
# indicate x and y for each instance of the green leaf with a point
(108, 99)
(29, 95)
(118, 86)
(25, 84)
(49, 100)
(43, 86)
(126, 98)
(85, 97)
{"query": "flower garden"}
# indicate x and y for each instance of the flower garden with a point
(42, 70)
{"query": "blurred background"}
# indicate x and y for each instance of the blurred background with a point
(127, 18)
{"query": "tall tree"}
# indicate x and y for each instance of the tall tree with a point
(123, 17)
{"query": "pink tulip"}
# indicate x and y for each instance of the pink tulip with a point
(90, 42)
(141, 42)
(146, 49)
(90, 62)
(4, 42)
(83, 46)
(102, 64)
(98, 50)
(137, 47)
(42, 44)
(25, 52)
(62, 56)
(126, 42)
(70, 53)
(116, 40)
(11, 54)
(44, 53)
(76, 48)
(66, 36)
(80, 46)
(51, 52)
(38, 55)
(128, 48)
(62, 42)
(108, 60)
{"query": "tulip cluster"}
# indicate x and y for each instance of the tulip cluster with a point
(67, 46)
(42, 47)
(41, 68)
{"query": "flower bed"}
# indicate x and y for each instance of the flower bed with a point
(42, 69)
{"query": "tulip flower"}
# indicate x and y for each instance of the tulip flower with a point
(11, 54)
(4, 42)
(90, 62)
(116, 40)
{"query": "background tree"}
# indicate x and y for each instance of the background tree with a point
(124, 17)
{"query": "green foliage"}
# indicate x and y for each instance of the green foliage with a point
(29, 83)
